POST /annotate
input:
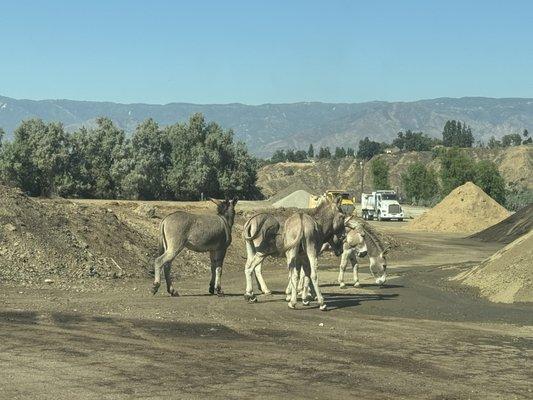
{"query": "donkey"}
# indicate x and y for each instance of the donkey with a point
(303, 239)
(263, 236)
(360, 239)
(200, 233)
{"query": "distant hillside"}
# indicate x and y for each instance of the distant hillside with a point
(514, 163)
(268, 127)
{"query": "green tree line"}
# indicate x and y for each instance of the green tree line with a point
(180, 161)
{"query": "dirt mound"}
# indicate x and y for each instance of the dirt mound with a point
(506, 276)
(297, 199)
(299, 185)
(466, 209)
(59, 240)
(510, 228)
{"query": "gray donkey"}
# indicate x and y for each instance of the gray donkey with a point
(200, 233)
(263, 237)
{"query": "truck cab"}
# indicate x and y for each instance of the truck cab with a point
(381, 205)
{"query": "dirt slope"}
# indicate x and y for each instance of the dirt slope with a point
(466, 209)
(506, 276)
(514, 163)
(510, 228)
(61, 240)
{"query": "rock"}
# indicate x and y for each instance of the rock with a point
(146, 210)
(49, 281)
(10, 227)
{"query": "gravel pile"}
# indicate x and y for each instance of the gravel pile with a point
(466, 209)
(510, 228)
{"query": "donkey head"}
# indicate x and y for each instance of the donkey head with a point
(226, 208)
(378, 266)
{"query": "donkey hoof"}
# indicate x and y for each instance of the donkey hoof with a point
(288, 297)
(267, 292)
(174, 293)
(342, 285)
(250, 298)
(323, 307)
(356, 284)
(306, 302)
(292, 305)
(219, 292)
(211, 289)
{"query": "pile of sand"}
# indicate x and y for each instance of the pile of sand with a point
(506, 276)
(466, 209)
(297, 199)
(510, 228)
(298, 185)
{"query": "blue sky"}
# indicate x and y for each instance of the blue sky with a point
(258, 52)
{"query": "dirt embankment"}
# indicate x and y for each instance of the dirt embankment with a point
(514, 163)
(466, 209)
(506, 276)
(86, 244)
(510, 228)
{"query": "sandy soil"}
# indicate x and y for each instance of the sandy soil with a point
(418, 337)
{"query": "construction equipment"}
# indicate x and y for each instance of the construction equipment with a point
(347, 203)
(382, 205)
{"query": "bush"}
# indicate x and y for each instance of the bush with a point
(488, 178)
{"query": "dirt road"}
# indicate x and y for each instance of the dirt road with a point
(418, 337)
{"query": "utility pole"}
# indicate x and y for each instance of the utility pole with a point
(362, 165)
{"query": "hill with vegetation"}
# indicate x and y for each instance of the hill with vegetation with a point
(268, 127)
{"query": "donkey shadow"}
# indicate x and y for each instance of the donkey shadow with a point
(340, 300)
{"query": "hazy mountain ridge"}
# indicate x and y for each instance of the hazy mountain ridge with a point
(270, 126)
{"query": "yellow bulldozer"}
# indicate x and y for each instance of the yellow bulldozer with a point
(347, 202)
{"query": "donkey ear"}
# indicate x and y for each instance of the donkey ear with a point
(386, 250)
(217, 202)
(235, 200)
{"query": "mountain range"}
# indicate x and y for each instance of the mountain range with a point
(267, 127)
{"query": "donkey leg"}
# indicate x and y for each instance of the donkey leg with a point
(355, 266)
(217, 259)
(305, 272)
(292, 264)
(160, 262)
(313, 263)
(168, 278)
(342, 268)
(260, 280)
(255, 261)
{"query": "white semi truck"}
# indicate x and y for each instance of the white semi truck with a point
(381, 205)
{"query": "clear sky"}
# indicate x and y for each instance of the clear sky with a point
(265, 51)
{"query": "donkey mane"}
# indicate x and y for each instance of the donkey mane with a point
(375, 242)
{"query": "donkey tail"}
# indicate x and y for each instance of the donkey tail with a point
(298, 238)
(246, 232)
(162, 242)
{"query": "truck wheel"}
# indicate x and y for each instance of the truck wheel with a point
(400, 219)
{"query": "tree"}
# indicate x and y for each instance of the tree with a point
(456, 169)
(456, 134)
(414, 141)
(512, 139)
(324, 153)
(419, 183)
(148, 163)
(527, 138)
(350, 152)
(340, 152)
(2, 134)
(488, 178)
(368, 149)
(311, 151)
(278, 156)
(380, 174)
(36, 157)
(493, 143)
